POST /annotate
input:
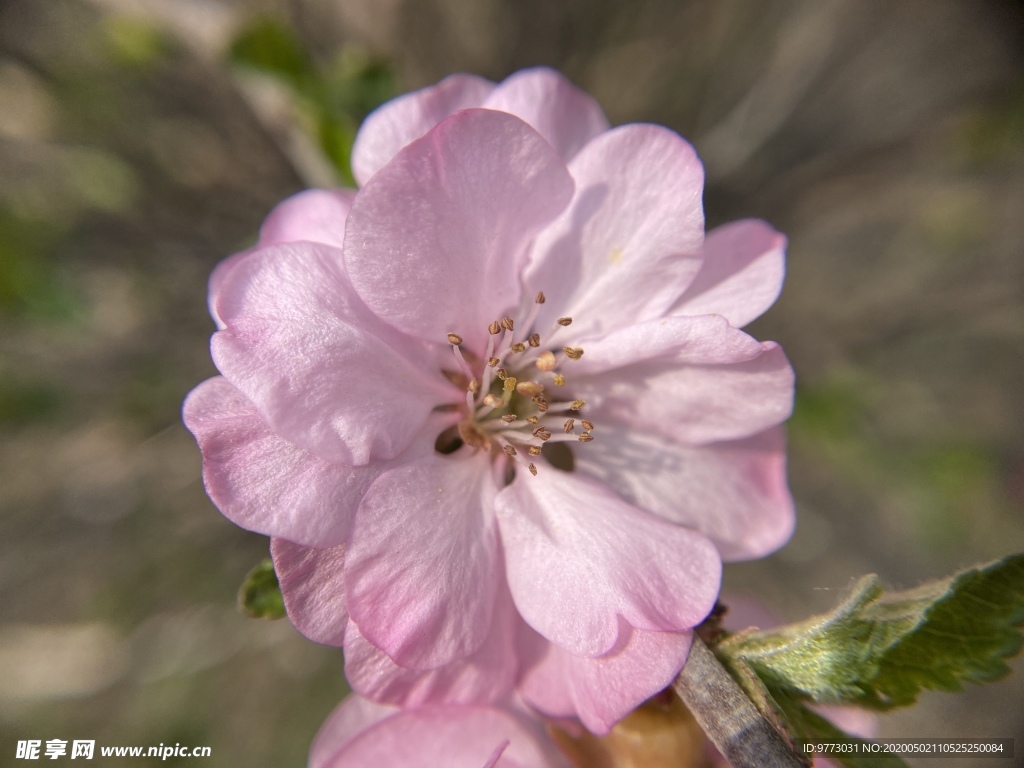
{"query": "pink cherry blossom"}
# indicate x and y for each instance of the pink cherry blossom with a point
(361, 733)
(495, 408)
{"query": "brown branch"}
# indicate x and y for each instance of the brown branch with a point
(729, 718)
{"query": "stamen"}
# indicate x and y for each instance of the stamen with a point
(547, 361)
(474, 386)
(493, 361)
(509, 450)
(542, 433)
(494, 401)
(508, 418)
(533, 420)
(587, 425)
(533, 470)
(559, 380)
(540, 298)
(533, 450)
(534, 339)
(520, 347)
(570, 424)
(586, 437)
(540, 402)
(501, 373)
(563, 321)
(573, 353)
(494, 328)
(577, 405)
(463, 365)
(530, 388)
(508, 323)
(454, 339)
(510, 383)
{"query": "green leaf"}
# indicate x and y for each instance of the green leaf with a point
(880, 650)
(270, 46)
(814, 728)
(260, 594)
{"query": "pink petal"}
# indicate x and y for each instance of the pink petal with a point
(316, 215)
(322, 370)
(445, 735)
(216, 280)
(435, 241)
(629, 244)
(403, 120)
(601, 691)
(485, 676)
(354, 715)
(559, 111)
(313, 587)
(579, 558)
(744, 265)
(735, 492)
(422, 568)
(702, 340)
(262, 482)
(693, 403)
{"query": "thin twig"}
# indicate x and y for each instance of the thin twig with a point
(727, 715)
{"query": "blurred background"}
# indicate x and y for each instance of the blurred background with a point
(141, 141)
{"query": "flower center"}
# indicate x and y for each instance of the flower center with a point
(514, 406)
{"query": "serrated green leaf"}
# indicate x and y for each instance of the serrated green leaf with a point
(813, 727)
(881, 650)
(260, 594)
(965, 634)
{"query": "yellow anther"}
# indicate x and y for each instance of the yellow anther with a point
(508, 418)
(547, 361)
(565, 321)
(533, 420)
(530, 388)
(501, 373)
(586, 437)
(559, 380)
(520, 347)
(493, 361)
(577, 405)
(534, 450)
(508, 323)
(570, 424)
(474, 386)
(509, 450)
(542, 433)
(510, 383)
(587, 425)
(455, 339)
(534, 339)
(494, 328)
(493, 400)
(573, 353)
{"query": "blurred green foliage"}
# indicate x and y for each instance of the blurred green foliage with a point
(29, 284)
(946, 485)
(260, 595)
(132, 42)
(334, 97)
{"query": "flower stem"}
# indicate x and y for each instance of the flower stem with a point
(744, 737)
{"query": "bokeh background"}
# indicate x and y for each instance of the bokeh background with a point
(143, 140)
